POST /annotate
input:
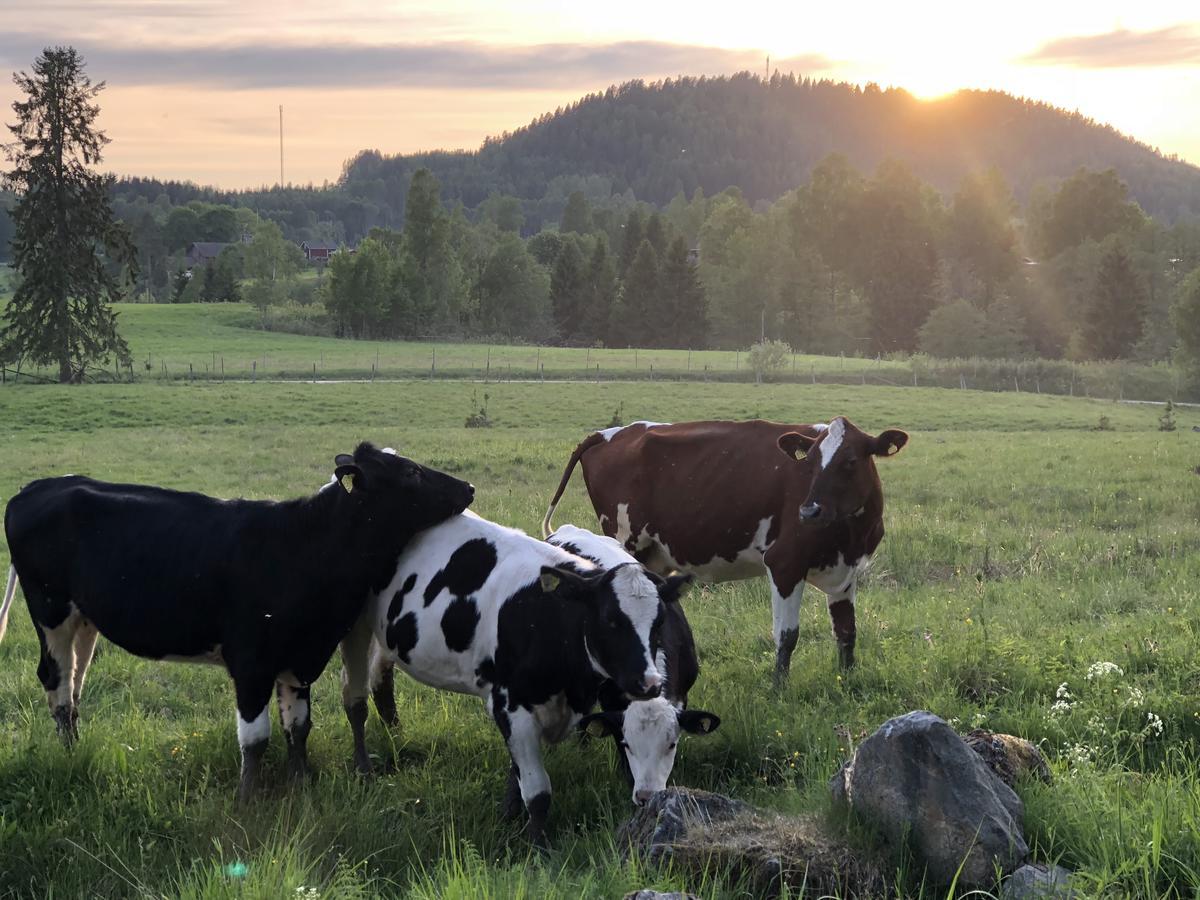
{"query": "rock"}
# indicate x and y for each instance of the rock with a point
(696, 831)
(1037, 881)
(916, 779)
(646, 894)
(1008, 756)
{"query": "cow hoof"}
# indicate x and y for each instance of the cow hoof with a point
(846, 657)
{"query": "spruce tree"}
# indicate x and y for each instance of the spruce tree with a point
(631, 239)
(68, 250)
(631, 324)
(601, 293)
(577, 215)
(681, 316)
(1112, 321)
(568, 283)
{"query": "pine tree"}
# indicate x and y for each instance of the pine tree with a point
(577, 215)
(681, 317)
(631, 323)
(601, 293)
(656, 234)
(68, 249)
(1112, 321)
(568, 284)
(631, 239)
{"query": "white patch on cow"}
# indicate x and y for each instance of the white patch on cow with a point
(624, 526)
(745, 563)
(609, 433)
(820, 426)
(327, 485)
(255, 731)
(390, 450)
(212, 657)
(638, 598)
(651, 734)
(599, 548)
(293, 709)
(833, 441)
(838, 581)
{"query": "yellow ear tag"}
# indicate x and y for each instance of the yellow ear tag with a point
(892, 450)
(347, 483)
(549, 582)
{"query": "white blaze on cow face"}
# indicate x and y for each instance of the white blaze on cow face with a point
(651, 736)
(833, 441)
(638, 599)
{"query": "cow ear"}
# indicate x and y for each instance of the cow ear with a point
(795, 444)
(697, 721)
(355, 473)
(343, 459)
(600, 724)
(674, 588)
(553, 577)
(890, 442)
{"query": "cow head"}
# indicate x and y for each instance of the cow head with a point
(624, 610)
(841, 460)
(647, 733)
(397, 489)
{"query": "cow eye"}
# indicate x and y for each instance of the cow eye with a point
(672, 745)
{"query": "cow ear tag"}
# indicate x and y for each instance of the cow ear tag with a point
(892, 450)
(549, 582)
(347, 483)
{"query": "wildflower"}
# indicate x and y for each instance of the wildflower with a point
(1102, 669)
(978, 720)
(1060, 708)
(1135, 698)
(1095, 723)
(1153, 723)
(1062, 693)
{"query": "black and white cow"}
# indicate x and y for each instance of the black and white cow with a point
(267, 589)
(646, 732)
(481, 609)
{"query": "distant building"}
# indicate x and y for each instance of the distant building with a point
(318, 251)
(201, 253)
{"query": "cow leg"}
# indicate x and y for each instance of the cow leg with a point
(841, 617)
(85, 647)
(56, 671)
(295, 718)
(512, 794)
(785, 615)
(356, 662)
(523, 736)
(383, 690)
(253, 728)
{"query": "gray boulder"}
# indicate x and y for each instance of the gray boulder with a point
(916, 779)
(1038, 882)
(697, 831)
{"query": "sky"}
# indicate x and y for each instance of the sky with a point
(194, 86)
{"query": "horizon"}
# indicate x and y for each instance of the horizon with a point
(194, 88)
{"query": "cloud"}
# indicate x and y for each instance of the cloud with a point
(455, 64)
(1178, 45)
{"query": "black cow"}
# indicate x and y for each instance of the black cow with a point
(266, 589)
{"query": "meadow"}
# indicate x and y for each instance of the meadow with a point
(1024, 546)
(226, 341)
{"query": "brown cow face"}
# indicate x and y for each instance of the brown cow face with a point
(842, 462)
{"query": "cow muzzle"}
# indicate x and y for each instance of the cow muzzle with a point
(650, 687)
(642, 796)
(811, 512)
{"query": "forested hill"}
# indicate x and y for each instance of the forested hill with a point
(765, 137)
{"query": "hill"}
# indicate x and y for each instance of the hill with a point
(657, 140)
(764, 137)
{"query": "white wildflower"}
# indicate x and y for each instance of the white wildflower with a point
(1078, 756)
(308, 893)
(1096, 724)
(1136, 698)
(978, 720)
(1060, 708)
(1103, 669)
(1062, 693)
(1153, 723)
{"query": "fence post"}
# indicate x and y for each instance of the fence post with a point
(1016, 385)
(314, 373)
(737, 360)
(812, 370)
(651, 371)
(222, 368)
(542, 370)
(433, 365)
(191, 373)
(597, 373)
(689, 359)
(253, 370)
(487, 372)
(635, 359)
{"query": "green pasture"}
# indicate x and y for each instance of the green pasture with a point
(214, 342)
(1023, 547)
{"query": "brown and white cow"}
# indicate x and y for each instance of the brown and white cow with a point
(732, 500)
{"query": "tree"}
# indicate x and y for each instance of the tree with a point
(503, 211)
(69, 252)
(981, 233)
(433, 277)
(514, 292)
(682, 319)
(601, 292)
(1112, 321)
(1185, 314)
(1087, 205)
(577, 215)
(954, 329)
(568, 285)
(639, 295)
(631, 240)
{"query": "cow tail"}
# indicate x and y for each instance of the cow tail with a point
(10, 591)
(586, 444)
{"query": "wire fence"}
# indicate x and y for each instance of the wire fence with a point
(1115, 380)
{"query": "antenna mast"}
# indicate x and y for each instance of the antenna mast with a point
(281, 145)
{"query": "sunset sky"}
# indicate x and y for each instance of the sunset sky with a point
(194, 86)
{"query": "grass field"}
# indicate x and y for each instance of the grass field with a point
(1023, 547)
(214, 341)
